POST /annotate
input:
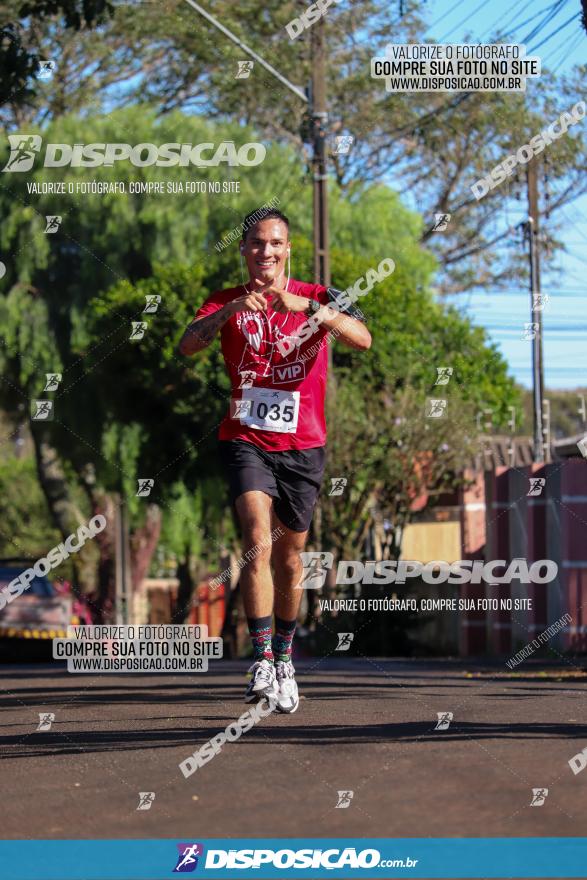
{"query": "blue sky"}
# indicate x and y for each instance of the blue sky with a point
(504, 313)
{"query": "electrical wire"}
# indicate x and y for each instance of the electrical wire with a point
(564, 42)
(532, 17)
(580, 213)
(438, 20)
(572, 222)
(489, 30)
(427, 118)
(566, 54)
(577, 257)
(467, 17)
(554, 33)
(547, 19)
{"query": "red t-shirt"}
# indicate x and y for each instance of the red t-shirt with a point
(277, 401)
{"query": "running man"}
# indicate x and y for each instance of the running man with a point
(272, 442)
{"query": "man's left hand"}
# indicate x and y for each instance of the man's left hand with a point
(283, 302)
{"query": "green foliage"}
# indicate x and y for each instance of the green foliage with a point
(136, 408)
(74, 12)
(20, 52)
(178, 405)
(566, 412)
(381, 440)
(197, 523)
(28, 347)
(17, 65)
(431, 145)
(26, 528)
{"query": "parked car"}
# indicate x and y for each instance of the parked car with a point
(43, 611)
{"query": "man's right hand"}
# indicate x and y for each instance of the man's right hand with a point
(202, 331)
(250, 302)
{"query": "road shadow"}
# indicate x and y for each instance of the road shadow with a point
(279, 730)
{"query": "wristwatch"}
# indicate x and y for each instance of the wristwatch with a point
(314, 307)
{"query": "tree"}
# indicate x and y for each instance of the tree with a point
(47, 328)
(567, 412)
(384, 444)
(26, 527)
(72, 297)
(432, 146)
(21, 27)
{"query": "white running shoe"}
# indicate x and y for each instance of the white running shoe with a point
(262, 683)
(287, 697)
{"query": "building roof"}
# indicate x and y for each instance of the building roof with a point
(567, 447)
(504, 451)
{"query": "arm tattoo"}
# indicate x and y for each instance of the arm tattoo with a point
(206, 328)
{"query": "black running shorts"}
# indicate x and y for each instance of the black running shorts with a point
(293, 478)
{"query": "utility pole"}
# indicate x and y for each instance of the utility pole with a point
(319, 118)
(533, 229)
(316, 100)
(122, 569)
(546, 430)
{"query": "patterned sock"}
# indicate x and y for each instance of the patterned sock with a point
(283, 638)
(260, 632)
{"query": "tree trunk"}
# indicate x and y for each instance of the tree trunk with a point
(235, 633)
(143, 543)
(185, 589)
(105, 504)
(66, 515)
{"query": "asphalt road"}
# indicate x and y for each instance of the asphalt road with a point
(365, 726)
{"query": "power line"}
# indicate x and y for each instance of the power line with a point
(547, 19)
(577, 210)
(570, 220)
(438, 20)
(566, 54)
(511, 22)
(497, 20)
(577, 257)
(453, 103)
(554, 33)
(563, 42)
(580, 213)
(532, 17)
(467, 17)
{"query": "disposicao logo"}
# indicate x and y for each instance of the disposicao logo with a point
(25, 147)
(328, 859)
(187, 859)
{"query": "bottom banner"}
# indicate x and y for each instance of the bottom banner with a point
(522, 857)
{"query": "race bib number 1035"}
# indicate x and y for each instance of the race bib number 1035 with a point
(267, 410)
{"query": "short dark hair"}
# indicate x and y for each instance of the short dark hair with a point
(263, 214)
